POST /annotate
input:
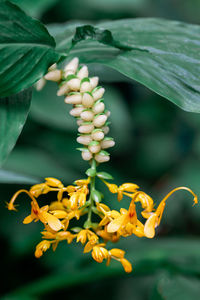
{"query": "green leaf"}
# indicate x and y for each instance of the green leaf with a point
(160, 54)
(39, 163)
(35, 8)
(96, 195)
(49, 109)
(13, 114)
(104, 175)
(90, 172)
(26, 50)
(10, 177)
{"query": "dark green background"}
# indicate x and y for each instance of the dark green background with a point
(157, 147)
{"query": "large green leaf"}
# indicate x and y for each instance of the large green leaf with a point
(13, 114)
(16, 178)
(26, 49)
(163, 55)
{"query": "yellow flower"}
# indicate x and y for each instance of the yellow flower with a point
(126, 216)
(39, 189)
(99, 253)
(78, 197)
(85, 235)
(54, 182)
(43, 246)
(126, 187)
(41, 214)
(154, 219)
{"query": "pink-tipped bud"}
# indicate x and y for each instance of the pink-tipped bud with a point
(84, 139)
(94, 147)
(85, 87)
(75, 112)
(72, 65)
(87, 100)
(63, 90)
(87, 115)
(87, 128)
(74, 84)
(101, 158)
(94, 82)
(86, 155)
(99, 120)
(98, 94)
(98, 108)
(83, 72)
(97, 135)
(107, 144)
(54, 75)
(74, 99)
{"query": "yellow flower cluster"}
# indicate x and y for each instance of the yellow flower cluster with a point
(83, 200)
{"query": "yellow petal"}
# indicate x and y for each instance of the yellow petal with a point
(52, 221)
(116, 224)
(128, 187)
(149, 227)
(28, 219)
(53, 182)
(126, 265)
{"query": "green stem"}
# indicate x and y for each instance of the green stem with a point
(88, 223)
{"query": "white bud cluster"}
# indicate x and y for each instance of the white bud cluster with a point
(88, 108)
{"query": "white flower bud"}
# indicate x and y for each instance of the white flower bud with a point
(87, 100)
(108, 113)
(107, 144)
(97, 135)
(74, 99)
(94, 81)
(74, 84)
(98, 94)
(98, 108)
(79, 122)
(99, 120)
(67, 73)
(83, 72)
(87, 115)
(40, 84)
(86, 128)
(101, 158)
(94, 147)
(84, 139)
(86, 155)
(64, 89)
(54, 75)
(85, 87)
(106, 129)
(75, 112)
(72, 65)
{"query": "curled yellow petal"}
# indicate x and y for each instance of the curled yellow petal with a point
(149, 227)
(126, 265)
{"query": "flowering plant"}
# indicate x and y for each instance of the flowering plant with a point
(83, 199)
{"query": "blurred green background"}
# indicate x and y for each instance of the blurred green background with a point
(157, 147)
